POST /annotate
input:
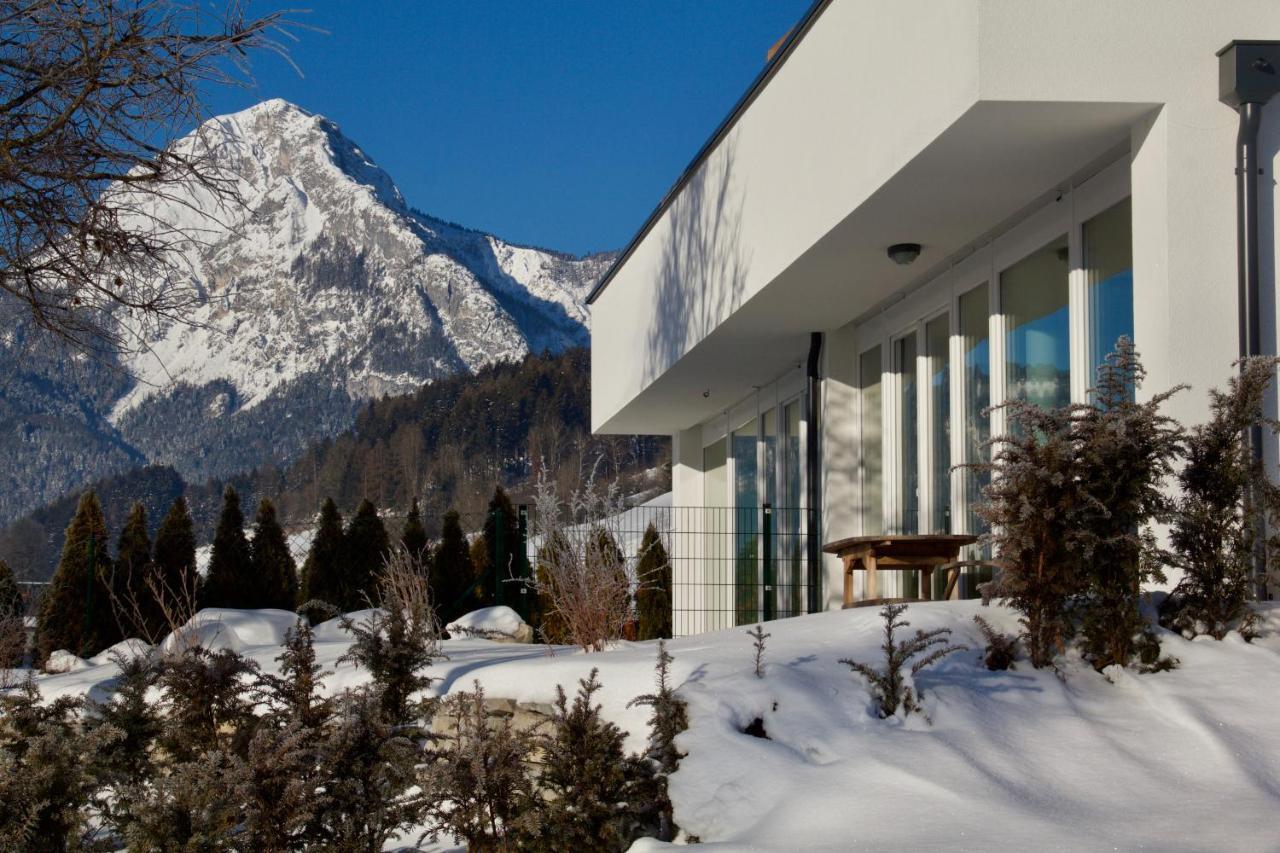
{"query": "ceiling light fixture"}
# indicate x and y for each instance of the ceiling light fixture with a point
(903, 254)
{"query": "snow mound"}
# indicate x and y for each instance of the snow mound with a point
(489, 620)
(131, 648)
(1187, 760)
(64, 661)
(225, 628)
(333, 631)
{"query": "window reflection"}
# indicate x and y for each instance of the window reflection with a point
(1034, 297)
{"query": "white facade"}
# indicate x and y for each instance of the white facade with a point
(990, 132)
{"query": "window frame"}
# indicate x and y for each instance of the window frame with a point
(1065, 214)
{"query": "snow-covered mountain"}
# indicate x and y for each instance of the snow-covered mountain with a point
(322, 290)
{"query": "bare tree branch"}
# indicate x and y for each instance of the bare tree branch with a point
(99, 214)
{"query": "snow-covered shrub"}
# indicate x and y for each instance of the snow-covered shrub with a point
(888, 686)
(368, 773)
(1125, 453)
(192, 807)
(293, 697)
(478, 786)
(1214, 535)
(669, 718)
(1032, 506)
(591, 792)
(137, 719)
(583, 577)
(205, 703)
(399, 639)
(47, 775)
(275, 788)
(1001, 649)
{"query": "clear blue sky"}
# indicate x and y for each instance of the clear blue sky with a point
(557, 123)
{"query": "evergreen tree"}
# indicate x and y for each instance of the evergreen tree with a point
(322, 571)
(293, 697)
(593, 792)
(1215, 528)
(653, 596)
(137, 720)
(75, 612)
(10, 595)
(451, 569)
(273, 566)
(479, 788)
(414, 536)
(502, 549)
(365, 545)
(670, 717)
(47, 777)
(175, 550)
(481, 576)
(1034, 465)
(368, 772)
(206, 707)
(230, 581)
(1126, 452)
(133, 567)
(545, 619)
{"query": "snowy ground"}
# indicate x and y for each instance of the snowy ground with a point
(1187, 760)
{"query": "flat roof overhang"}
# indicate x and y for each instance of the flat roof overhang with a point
(985, 169)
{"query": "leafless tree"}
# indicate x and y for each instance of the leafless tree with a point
(175, 603)
(402, 586)
(584, 576)
(96, 206)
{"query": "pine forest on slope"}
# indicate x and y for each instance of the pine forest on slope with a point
(449, 443)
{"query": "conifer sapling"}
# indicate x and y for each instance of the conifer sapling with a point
(889, 686)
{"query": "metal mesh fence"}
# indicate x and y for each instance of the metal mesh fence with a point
(729, 566)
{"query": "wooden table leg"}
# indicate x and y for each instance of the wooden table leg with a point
(953, 575)
(848, 581)
(869, 562)
(926, 581)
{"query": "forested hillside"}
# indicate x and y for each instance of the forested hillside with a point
(448, 444)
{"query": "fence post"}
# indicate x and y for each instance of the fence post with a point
(499, 555)
(522, 560)
(766, 545)
(814, 543)
(91, 549)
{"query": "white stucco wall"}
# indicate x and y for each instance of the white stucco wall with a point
(870, 89)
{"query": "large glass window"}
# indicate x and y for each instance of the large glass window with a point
(791, 572)
(1108, 266)
(904, 367)
(937, 339)
(715, 546)
(746, 522)
(872, 456)
(975, 346)
(1034, 296)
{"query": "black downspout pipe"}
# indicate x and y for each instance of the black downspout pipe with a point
(1249, 300)
(814, 475)
(1248, 77)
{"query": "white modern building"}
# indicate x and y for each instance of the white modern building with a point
(1067, 170)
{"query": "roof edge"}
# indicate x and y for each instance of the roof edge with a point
(792, 40)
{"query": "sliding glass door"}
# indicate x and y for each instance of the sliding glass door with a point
(1034, 299)
(1108, 269)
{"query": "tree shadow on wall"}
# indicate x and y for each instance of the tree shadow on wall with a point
(703, 266)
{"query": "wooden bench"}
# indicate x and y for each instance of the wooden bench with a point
(920, 552)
